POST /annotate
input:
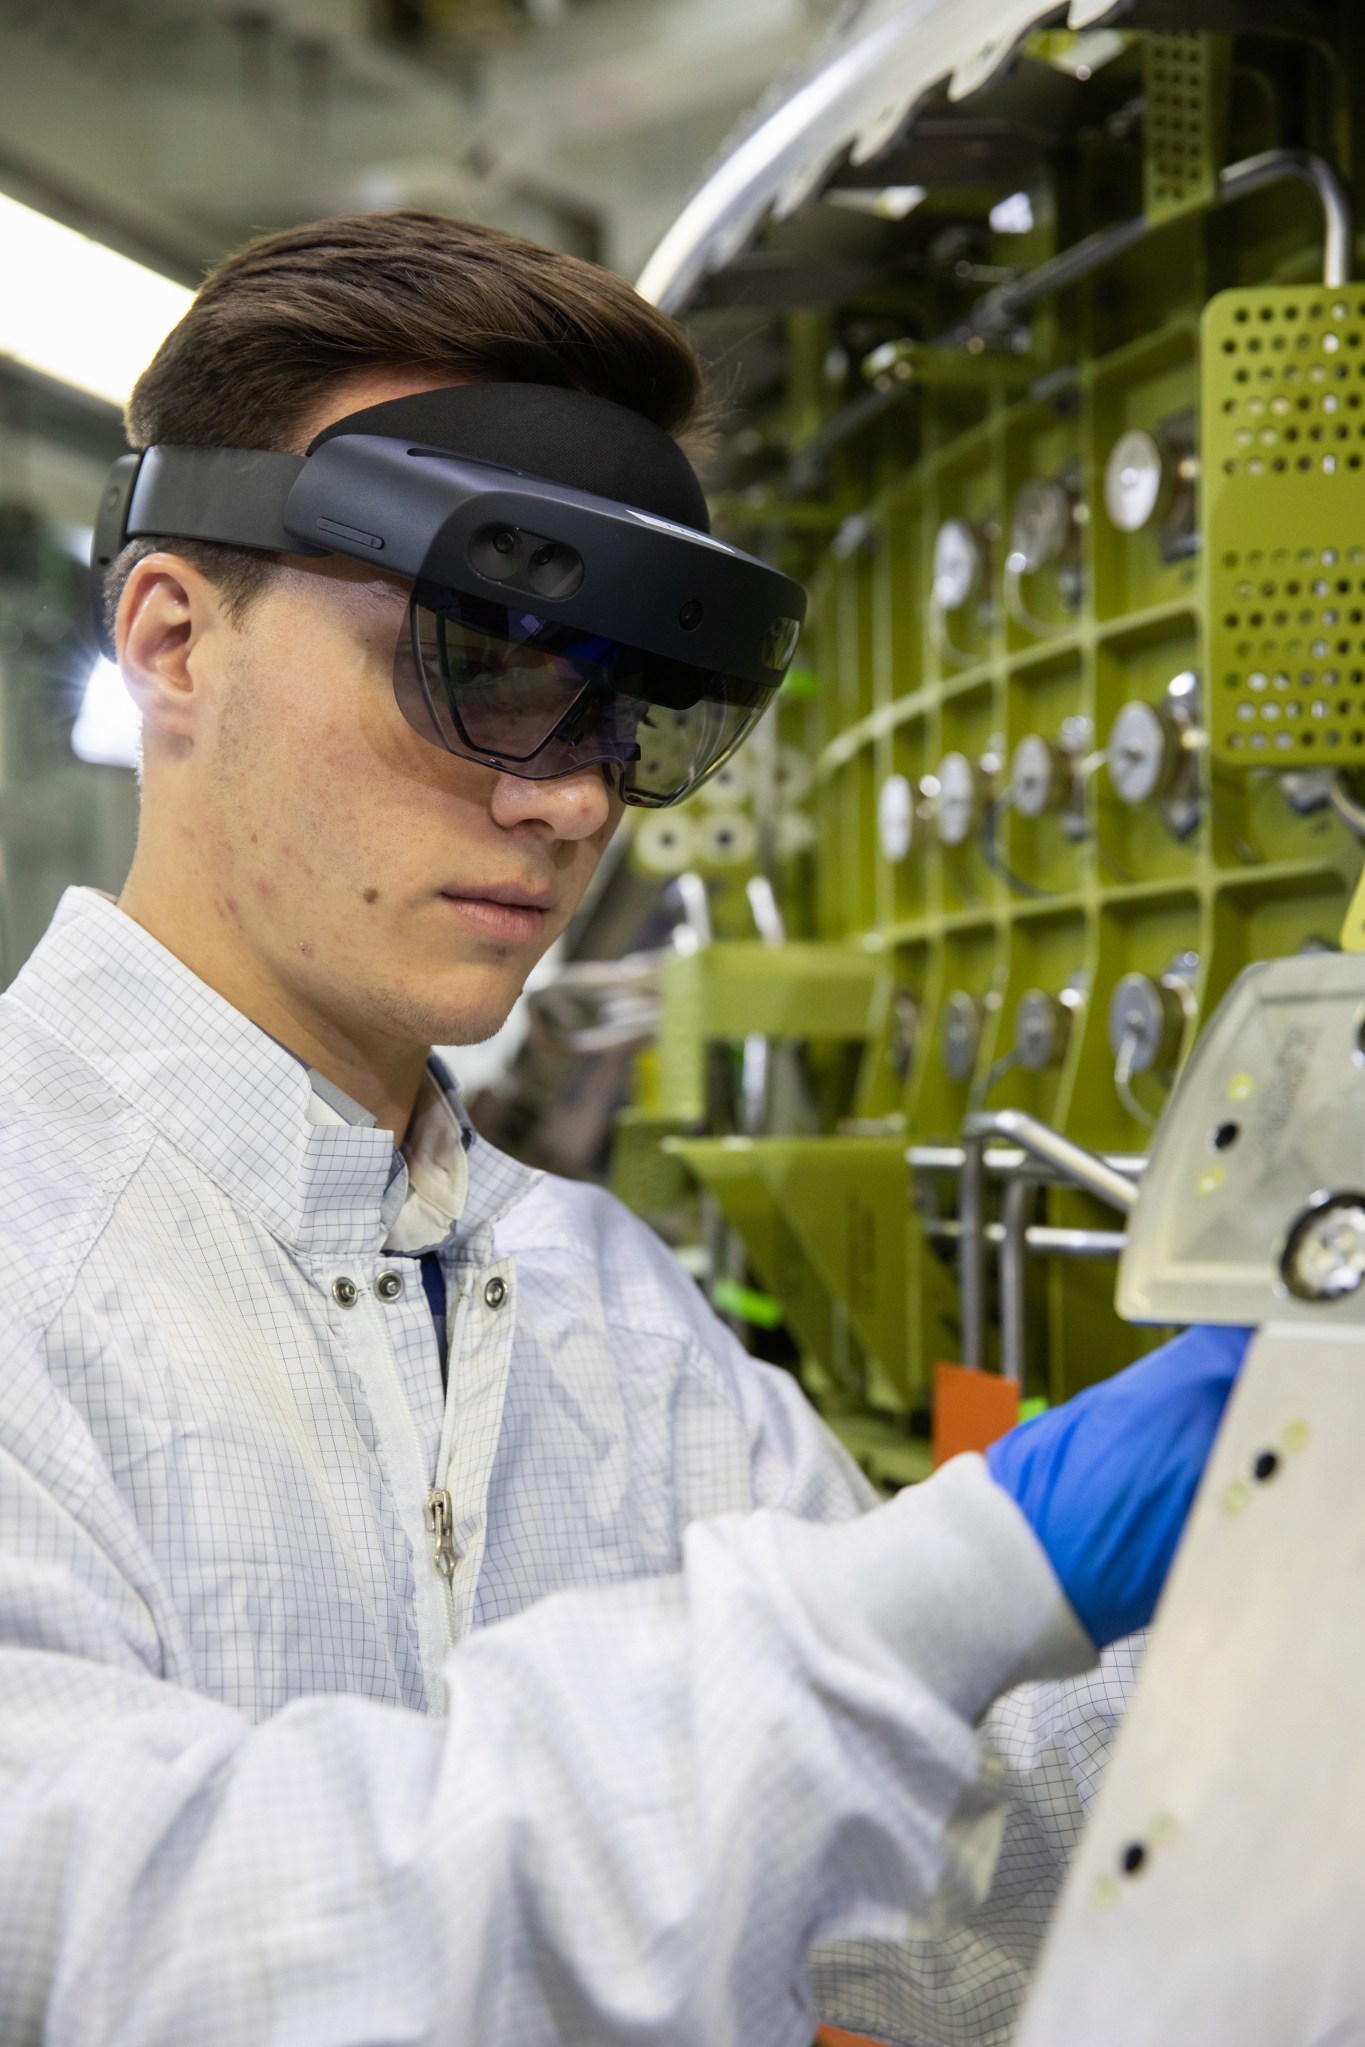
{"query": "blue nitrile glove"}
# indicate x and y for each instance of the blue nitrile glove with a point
(1106, 1481)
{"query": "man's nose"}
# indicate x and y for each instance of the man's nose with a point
(573, 806)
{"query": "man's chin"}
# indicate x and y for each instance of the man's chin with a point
(472, 1018)
(462, 1031)
(469, 1012)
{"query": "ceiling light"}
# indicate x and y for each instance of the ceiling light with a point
(77, 311)
(108, 730)
(1013, 216)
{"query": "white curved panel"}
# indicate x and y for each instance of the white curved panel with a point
(1217, 1897)
(858, 100)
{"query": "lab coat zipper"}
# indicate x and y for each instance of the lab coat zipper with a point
(440, 1510)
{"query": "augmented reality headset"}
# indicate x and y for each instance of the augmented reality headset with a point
(569, 607)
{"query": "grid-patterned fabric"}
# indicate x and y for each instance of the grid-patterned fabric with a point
(217, 1598)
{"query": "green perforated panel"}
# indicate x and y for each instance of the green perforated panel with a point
(1183, 75)
(1284, 514)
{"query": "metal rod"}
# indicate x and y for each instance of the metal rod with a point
(1046, 1242)
(995, 313)
(1002, 1160)
(1084, 1169)
(971, 1252)
(1347, 805)
(1042, 1240)
(1273, 167)
(1020, 1196)
(1072, 1161)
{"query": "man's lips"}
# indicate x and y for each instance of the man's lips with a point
(514, 915)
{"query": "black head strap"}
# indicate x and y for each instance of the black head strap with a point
(238, 496)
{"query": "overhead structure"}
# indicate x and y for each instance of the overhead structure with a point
(1071, 454)
(857, 95)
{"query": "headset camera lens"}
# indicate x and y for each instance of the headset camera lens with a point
(690, 615)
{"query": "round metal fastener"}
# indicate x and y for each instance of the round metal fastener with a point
(1043, 523)
(495, 1293)
(389, 1285)
(963, 794)
(1324, 1255)
(895, 818)
(1038, 776)
(1144, 754)
(1149, 1018)
(1136, 480)
(960, 1035)
(959, 564)
(345, 1292)
(1042, 1029)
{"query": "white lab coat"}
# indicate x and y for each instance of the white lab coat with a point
(267, 1775)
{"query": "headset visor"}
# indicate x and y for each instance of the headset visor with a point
(498, 684)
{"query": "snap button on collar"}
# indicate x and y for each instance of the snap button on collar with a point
(345, 1292)
(495, 1293)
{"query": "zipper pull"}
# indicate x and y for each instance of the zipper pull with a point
(440, 1520)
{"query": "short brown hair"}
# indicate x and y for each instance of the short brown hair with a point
(292, 313)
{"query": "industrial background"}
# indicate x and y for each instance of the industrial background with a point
(1035, 352)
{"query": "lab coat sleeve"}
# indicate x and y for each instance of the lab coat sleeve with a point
(644, 1807)
(959, 1978)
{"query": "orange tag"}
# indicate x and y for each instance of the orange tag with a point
(830, 2036)
(972, 1410)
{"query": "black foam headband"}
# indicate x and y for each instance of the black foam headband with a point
(566, 437)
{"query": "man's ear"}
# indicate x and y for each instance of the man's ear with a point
(166, 612)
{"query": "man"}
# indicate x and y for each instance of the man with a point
(291, 1415)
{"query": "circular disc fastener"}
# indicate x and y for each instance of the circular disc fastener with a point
(1036, 776)
(1324, 1257)
(958, 563)
(1144, 752)
(1040, 531)
(1041, 1029)
(794, 776)
(961, 1035)
(1135, 480)
(665, 842)
(793, 834)
(895, 818)
(732, 783)
(726, 838)
(1149, 1019)
(959, 801)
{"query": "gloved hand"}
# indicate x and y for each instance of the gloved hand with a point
(1107, 1480)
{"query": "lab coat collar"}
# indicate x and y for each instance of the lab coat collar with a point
(221, 1090)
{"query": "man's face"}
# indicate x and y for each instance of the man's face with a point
(385, 884)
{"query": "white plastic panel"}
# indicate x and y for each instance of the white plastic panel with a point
(1267, 1118)
(1240, 1773)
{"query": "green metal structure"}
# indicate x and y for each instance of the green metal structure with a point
(1074, 466)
